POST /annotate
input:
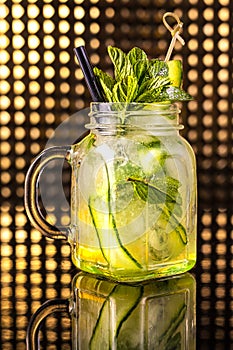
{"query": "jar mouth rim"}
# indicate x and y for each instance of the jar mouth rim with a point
(164, 107)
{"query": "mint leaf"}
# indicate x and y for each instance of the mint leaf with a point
(170, 185)
(119, 92)
(118, 58)
(140, 69)
(149, 96)
(106, 81)
(165, 190)
(136, 54)
(123, 170)
(150, 90)
(121, 62)
(132, 87)
(125, 90)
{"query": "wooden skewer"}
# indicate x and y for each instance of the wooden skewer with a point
(175, 32)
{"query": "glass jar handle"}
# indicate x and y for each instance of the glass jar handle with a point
(31, 192)
(46, 309)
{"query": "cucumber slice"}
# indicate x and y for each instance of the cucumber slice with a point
(170, 339)
(175, 72)
(115, 238)
(104, 336)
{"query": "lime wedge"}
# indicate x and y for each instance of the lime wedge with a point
(175, 72)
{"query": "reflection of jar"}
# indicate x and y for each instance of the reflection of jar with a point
(107, 315)
(133, 194)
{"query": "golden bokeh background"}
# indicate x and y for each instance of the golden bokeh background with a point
(41, 85)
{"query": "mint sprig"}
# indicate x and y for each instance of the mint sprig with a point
(138, 79)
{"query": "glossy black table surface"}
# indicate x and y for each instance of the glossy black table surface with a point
(35, 269)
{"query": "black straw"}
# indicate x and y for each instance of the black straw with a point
(90, 78)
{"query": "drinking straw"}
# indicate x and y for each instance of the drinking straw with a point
(88, 73)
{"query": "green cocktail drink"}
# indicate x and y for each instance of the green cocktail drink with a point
(134, 194)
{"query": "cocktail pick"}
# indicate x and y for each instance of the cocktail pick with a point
(175, 32)
(89, 75)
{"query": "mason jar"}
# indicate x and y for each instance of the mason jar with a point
(133, 193)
